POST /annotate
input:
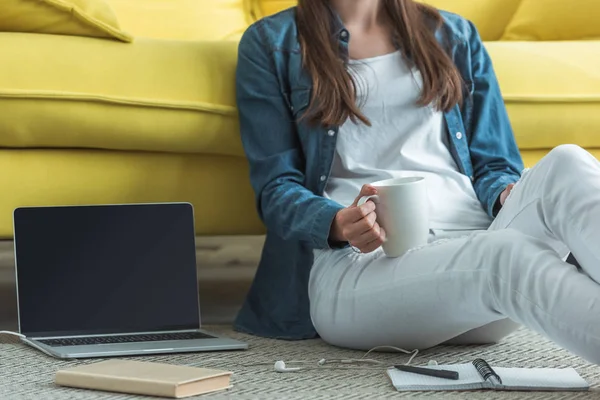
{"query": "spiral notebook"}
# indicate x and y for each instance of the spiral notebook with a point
(479, 375)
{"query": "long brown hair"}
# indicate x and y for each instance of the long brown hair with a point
(333, 97)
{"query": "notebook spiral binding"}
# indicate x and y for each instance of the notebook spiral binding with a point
(485, 370)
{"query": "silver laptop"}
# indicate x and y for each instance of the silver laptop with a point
(110, 280)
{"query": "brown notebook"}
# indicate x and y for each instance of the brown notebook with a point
(141, 377)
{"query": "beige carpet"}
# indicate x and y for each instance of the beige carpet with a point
(28, 374)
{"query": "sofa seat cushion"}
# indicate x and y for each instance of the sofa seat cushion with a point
(93, 18)
(217, 186)
(551, 90)
(184, 19)
(149, 95)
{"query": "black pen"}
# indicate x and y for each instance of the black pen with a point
(445, 374)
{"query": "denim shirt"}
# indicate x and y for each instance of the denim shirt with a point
(290, 161)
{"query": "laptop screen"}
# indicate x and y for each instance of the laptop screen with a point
(106, 269)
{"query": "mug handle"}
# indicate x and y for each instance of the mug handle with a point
(363, 200)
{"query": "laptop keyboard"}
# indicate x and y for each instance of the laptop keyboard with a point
(125, 339)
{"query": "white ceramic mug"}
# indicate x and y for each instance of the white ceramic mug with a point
(403, 212)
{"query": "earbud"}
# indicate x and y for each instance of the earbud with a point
(432, 363)
(280, 367)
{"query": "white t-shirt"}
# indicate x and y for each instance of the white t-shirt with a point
(404, 140)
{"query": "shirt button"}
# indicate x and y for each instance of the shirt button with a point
(331, 133)
(472, 178)
(323, 178)
(459, 135)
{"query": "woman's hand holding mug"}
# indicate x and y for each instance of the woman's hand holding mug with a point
(358, 225)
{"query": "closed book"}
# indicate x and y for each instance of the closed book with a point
(146, 378)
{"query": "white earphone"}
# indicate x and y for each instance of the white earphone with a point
(280, 367)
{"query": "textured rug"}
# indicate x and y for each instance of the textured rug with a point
(28, 374)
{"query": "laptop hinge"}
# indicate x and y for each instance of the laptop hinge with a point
(111, 334)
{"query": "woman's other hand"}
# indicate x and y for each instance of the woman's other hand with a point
(505, 193)
(357, 225)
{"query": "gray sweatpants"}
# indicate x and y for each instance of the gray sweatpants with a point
(480, 286)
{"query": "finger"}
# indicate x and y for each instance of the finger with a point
(356, 214)
(351, 214)
(371, 246)
(376, 243)
(366, 190)
(371, 235)
(506, 193)
(362, 227)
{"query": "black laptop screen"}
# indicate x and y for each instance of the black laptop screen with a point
(106, 269)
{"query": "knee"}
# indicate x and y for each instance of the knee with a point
(566, 156)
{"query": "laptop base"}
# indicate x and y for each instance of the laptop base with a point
(137, 348)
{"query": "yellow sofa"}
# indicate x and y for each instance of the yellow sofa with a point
(89, 120)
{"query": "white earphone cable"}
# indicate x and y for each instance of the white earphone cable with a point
(280, 366)
(412, 357)
(13, 334)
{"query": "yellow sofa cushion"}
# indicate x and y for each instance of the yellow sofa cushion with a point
(555, 20)
(490, 16)
(217, 186)
(150, 95)
(93, 18)
(184, 19)
(552, 93)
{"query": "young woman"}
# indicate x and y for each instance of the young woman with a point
(336, 94)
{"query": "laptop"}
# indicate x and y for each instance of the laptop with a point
(110, 280)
